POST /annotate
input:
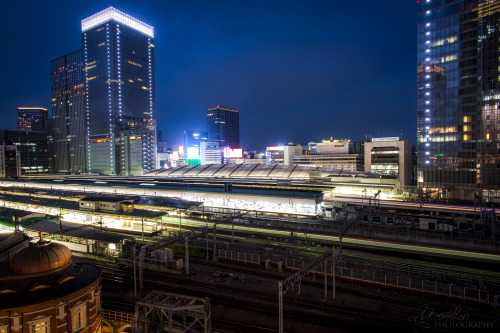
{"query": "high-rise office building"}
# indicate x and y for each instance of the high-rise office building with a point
(68, 113)
(458, 96)
(31, 118)
(10, 164)
(32, 148)
(224, 126)
(119, 93)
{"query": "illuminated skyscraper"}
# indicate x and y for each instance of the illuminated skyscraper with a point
(224, 126)
(31, 118)
(458, 82)
(68, 113)
(120, 93)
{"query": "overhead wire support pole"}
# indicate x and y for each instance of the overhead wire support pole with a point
(280, 301)
(296, 278)
(232, 231)
(214, 255)
(326, 276)
(135, 273)
(206, 240)
(186, 255)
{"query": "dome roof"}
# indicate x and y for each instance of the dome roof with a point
(40, 257)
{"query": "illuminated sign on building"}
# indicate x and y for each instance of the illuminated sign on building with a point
(233, 152)
(181, 150)
(192, 153)
(392, 138)
(275, 148)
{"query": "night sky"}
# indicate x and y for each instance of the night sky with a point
(298, 71)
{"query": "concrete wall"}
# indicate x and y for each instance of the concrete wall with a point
(289, 153)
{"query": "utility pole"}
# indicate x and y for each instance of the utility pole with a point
(420, 199)
(135, 272)
(280, 302)
(214, 256)
(232, 231)
(142, 228)
(180, 219)
(186, 255)
(326, 276)
(296, 278)
(206, 240)
(333, 272)
(60, 214)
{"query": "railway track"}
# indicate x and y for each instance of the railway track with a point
(411, 265)
(313, 312)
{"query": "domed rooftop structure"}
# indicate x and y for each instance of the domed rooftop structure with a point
(42, 256)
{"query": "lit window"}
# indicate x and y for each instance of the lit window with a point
(41, 325)
(79, 317)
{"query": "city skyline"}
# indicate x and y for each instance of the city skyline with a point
(273, 64)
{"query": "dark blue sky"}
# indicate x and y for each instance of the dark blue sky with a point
(298, 70)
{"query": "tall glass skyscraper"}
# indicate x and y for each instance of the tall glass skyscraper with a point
(120, 93)
(68, 113)
(458, 83)
(224, 126)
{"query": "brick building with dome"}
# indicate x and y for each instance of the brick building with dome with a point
(43, 291)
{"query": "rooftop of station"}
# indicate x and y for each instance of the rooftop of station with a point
(107, 198)
(263, 171)
(159, 184)
(72, 205)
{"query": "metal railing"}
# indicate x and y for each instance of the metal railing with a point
(240, 257)
(415, 284)
(122, 317)
(383, 277)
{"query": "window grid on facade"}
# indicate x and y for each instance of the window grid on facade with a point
(79, 317)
